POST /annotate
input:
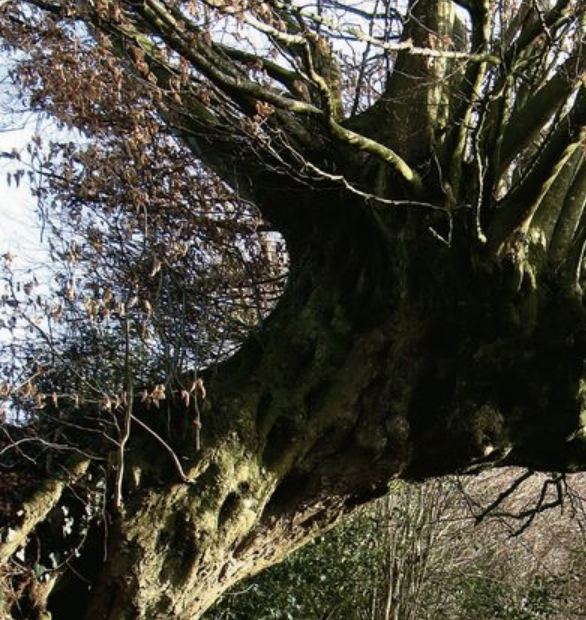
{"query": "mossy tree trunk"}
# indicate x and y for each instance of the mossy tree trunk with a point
(432, 321)
(387, 357)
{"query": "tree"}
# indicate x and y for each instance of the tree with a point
(423, 163)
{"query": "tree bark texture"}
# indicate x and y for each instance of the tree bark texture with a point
(387, 357)
(428, 325)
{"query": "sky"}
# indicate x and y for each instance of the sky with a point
(19, 225)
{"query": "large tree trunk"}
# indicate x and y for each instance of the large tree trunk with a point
(426, 328)
(389, 355)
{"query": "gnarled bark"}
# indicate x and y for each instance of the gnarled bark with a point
(432, 322)
(385, 358)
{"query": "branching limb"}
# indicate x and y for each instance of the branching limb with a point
(523, 128)
(471, 95)
(38, 506)
(498, 508)
(558, 482)
(520, 204)
(501, 497)
(254, 91)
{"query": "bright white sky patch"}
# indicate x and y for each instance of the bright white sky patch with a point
(20, 232)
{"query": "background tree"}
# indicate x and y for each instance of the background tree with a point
(422, 163)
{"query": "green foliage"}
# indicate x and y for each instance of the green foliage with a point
(416, 554)
(483, 597)
(331, 577)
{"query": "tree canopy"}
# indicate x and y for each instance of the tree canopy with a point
(299, 249)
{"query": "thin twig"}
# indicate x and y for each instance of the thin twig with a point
(125, 435)
(165, 445)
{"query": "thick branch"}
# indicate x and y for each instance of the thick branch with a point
(524, 126)
(532, 30)
(471, 94)
(570, 217)
(521, 203)
(547, 213)
(378, 150)
(43, 500)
